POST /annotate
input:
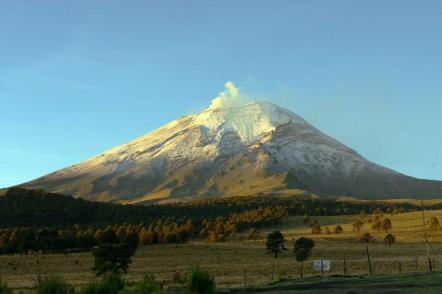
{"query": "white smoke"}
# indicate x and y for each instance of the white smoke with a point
(228, 98)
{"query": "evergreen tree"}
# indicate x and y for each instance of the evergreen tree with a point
(113, 258)
(303, 249)
(275, 243)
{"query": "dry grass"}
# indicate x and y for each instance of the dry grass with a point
(227, 261)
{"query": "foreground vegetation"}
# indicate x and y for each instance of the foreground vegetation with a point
(29, 220)
(37, 221)
(244, 242)
(230, 261)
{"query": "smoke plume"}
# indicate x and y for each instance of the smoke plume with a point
(230, 97)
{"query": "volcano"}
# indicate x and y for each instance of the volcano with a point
(234, 147)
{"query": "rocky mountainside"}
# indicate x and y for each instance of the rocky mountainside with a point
(232, 148)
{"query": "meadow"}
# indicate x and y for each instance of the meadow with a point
(231, 261)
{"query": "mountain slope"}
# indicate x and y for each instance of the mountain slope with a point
(232, 148)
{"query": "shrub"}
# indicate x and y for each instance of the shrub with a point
(4, 289)
(148, 285)
(316, 229)
(386, 225)
(357, 226)
(306, 219)
(338, 230)
(178, 279)
(253, 234)
(53, 285)
(200, 282)
(376, 226)
(282, 276)
(366, 238)
(389, 239)
(110, 284)
(434, 223)
(113, 258)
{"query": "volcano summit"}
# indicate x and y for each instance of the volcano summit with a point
(235, 147)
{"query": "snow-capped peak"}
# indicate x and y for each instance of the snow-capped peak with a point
(250, 121)
(235, 147)
(233, 111)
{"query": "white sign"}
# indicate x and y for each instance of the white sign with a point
(321, 265)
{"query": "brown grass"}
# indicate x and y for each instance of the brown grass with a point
(227, 261)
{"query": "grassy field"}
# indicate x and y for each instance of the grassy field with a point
(228, 261)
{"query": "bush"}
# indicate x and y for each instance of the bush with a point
(178, 279)
(389, 239)
(366, 238)
(4, 289)
(338, 230)
(110, 284)
(200, 282)
(53, 285)
(148, 286)
(316, 229)
(434, 223)
(112, 258)
(282, 276)
(253, 234)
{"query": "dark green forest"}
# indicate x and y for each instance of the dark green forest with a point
(36, 208)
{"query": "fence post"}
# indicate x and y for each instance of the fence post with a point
(245, 278)
(368, 259)
(345, 268)
(400, 267)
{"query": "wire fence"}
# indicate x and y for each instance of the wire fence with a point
(339, 268)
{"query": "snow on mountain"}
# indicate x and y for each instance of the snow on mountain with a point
(235, 147)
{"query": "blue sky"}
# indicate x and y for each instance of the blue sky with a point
(79, 77)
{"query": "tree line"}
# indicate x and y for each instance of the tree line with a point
(38, 208)
(24, 240)
(38, 221)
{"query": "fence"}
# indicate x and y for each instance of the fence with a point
(338, 267)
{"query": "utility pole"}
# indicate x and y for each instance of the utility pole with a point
(426, 237)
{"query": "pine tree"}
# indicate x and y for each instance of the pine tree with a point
(303, 249)
(114, 258)
(275, 243)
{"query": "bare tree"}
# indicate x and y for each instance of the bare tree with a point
(357, 226)
(434, 223)
(338, 230)
(386, 225)
(389, 239)
(366, 238)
